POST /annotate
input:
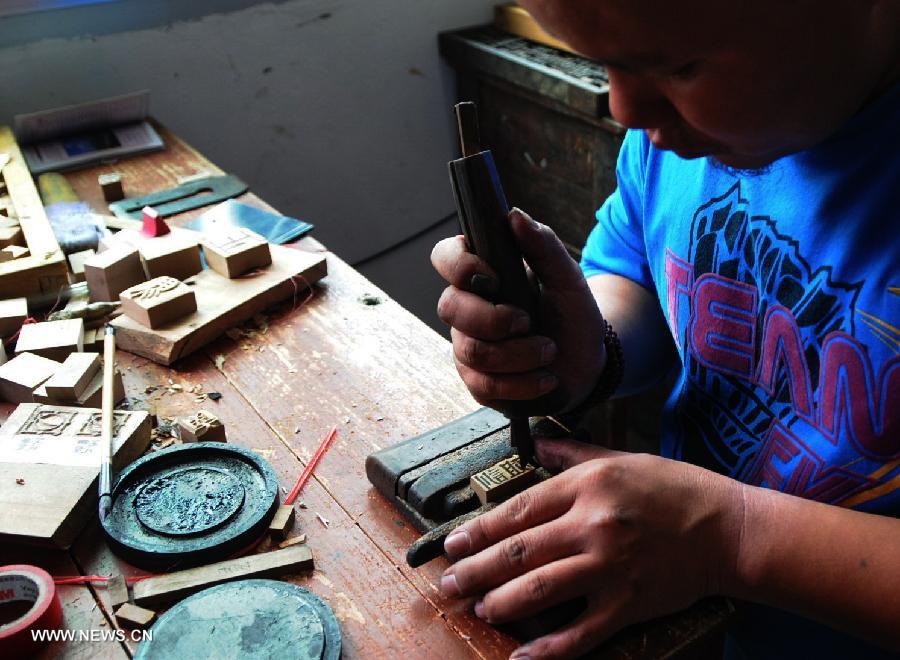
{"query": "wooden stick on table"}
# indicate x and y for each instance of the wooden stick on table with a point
(106, 423)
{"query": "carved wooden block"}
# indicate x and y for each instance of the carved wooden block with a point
(158, 302)
(72, 379)
(110, 272)
(111, 186)
(77, 261)
(23, 374)
(12, 252)
(55, 450)
(176, 255)
(502, 480)
(236, 251)
(52, 339)
(117, 590)
(282, 523)
(201, 427)
(13, 312)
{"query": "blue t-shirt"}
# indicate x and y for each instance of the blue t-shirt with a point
(782, 293)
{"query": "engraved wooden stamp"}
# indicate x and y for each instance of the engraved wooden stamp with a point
(501, 480)
(201, 427)
(236, 251)
(158, 302)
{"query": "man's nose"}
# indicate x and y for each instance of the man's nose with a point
(635, 102)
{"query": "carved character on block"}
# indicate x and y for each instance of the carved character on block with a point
(201, 427)
(236, 251)
(501, 480)
(158, 302)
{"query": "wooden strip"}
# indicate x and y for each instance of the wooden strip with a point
(164, 589)
(46, 269)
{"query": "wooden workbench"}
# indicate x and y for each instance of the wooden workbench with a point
(376, 372)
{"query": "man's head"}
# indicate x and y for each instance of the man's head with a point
(746, 81)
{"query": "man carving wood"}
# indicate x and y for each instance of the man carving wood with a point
(751, 244)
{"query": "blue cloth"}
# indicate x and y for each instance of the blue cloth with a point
(782, 292)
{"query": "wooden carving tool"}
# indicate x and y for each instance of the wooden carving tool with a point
(484, 218)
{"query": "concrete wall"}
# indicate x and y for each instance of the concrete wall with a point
(335, 111)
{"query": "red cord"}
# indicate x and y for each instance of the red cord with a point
(308, 470)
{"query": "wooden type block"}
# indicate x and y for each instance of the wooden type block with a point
(176, 255)
(111, 186)
(70, 381)
(158, 302)
(117, 590)
(132, 616)
(164, 589)
(13, 313)
(23, 374)
(11, 236)
(77, 261)
(55, 452)
(202, 426)
(282, 522)
(93, 340)
(52, 339)
(236, 251)
(502, 480)
(110, 272)
(92, 397)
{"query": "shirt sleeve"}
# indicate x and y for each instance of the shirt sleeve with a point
(616, 244)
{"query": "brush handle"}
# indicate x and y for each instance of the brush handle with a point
(106, 421)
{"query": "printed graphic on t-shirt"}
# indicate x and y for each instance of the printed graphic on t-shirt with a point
(779, 388)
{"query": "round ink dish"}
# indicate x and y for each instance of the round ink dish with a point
(248, 619)
(190, 505)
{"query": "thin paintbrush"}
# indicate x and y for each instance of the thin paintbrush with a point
(106, 422)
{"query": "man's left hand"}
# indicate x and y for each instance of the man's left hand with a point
(637, 535)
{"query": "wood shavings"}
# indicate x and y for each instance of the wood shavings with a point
(20, 481)
(379, 418)
(347, 420)
(234, 334)
(302, 505)
(220, 361)
(297, 540)
(323, 520)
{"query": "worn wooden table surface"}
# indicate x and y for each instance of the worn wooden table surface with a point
(376, 372)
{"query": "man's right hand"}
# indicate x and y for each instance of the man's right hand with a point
(498, 354)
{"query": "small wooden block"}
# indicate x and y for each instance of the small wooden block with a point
(236, 251)
(20, 376)
(501, 481)
(52, 339)
(111, 186)
(93, 340)
(163, 589)
(176, 255)
(110, 272)
(158, 302)
(11, 236)
(13, 313)
(203, 426)
(132, 616)
(92, 397)
(77, 261)
(72, 379)
(117, 590)
(282, 522)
